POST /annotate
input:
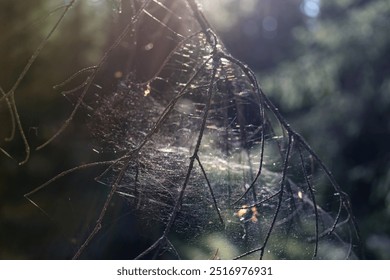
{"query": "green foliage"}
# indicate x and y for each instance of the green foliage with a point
(336, 91)
(332, 81)
(77, 43)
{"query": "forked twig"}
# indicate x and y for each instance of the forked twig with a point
(210, 65)
(91, 78)
(163, 239)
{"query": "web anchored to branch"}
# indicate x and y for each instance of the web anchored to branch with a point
(202, 149)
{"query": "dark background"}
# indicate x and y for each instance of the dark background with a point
(325, 64)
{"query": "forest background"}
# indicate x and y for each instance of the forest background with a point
(325, 64)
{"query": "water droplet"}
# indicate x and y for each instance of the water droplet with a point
(149, 46)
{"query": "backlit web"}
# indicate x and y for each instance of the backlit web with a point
(199, 153)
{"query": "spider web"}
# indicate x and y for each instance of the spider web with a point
(189, 138)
